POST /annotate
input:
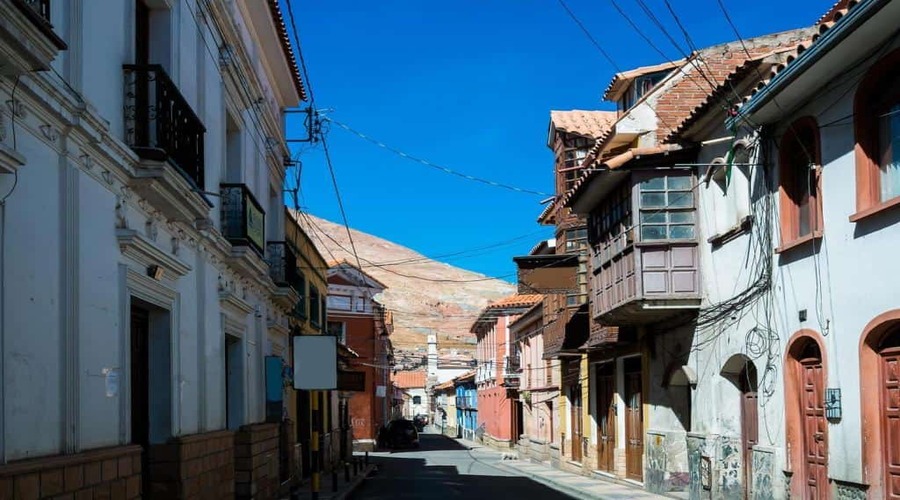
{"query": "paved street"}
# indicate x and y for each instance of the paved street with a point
(443, 468)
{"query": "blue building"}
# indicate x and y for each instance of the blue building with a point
(466, 405)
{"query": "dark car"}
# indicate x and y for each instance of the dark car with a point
(400, 433)
(420, 421)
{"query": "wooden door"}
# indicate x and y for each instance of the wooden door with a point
(890, 408)
(139, 372)
(749, 423)
(577, 421)
(634, 421)
(606, 414)
(815, 427)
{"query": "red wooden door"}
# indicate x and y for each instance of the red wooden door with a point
(815, 428)
(577, 420)
(749, 423)
(634, 421)
(606, 411)
(890, 407)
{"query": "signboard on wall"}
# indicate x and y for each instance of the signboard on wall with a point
(256, 225)
(315, 362)
(351, 381)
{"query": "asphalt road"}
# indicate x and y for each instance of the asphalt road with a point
(444, 469)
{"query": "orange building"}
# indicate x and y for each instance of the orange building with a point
(361, 323)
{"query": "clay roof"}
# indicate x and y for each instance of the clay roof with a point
(445, 386)
(409, 380)
(465, 377)
(547, 212)
(516, 301)
(285, 40)
(581, 122)
(621, 80)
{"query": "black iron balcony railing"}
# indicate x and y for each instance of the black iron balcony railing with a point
(40, 7)
(159, 122)
(282, 263)
(243, 219)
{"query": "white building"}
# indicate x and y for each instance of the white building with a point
(142, 161)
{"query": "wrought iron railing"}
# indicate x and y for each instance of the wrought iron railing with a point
(159, 122)
(243, 219)
(282, 263)
(39, 7)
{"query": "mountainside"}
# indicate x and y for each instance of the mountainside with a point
(446, 302)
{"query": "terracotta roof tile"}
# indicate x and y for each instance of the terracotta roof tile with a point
(586, 123)
(516, 301)
(278, 19)
(409, 380)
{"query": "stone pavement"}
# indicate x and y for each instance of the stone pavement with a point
(327, 492)
(574, 485)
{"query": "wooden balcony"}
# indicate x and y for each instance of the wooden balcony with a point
(639, 283)
(27, 40)
(566, 328)
(243, 219)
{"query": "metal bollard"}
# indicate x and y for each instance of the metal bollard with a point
(347, 472)
(355, 467)
(334, 479)
(367, 459)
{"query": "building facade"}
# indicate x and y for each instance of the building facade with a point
(137, 305)
(466, 406)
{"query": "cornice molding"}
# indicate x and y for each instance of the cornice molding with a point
(135, 246)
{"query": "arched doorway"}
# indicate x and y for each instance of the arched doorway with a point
(741, 371)
(807, 428)
(879, 367)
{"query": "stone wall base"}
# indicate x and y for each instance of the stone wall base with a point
(196, 466)
(102, 473)
(256, 462)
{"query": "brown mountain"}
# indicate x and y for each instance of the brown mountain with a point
(425, 295)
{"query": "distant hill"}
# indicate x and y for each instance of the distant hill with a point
(420, 306)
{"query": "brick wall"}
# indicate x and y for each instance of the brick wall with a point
(195, 466)
(109, 473)
(256, 462)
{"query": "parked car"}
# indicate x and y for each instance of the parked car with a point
(421, 421)
(400, 433)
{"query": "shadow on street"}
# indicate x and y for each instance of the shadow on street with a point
(443, 469)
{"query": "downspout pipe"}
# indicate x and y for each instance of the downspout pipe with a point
(848, 24)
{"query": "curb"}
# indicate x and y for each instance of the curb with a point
(564, 488)
(354, 483)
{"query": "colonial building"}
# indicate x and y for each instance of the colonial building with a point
(466, 405)
(364, 325)
(497, 369)
(412, 383)
(142, 166)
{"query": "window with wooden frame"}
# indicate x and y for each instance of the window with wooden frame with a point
(800, 198)
(877, 124)
(574, 151)
(667, 210)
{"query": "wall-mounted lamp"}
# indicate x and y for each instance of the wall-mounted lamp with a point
(801, 315)
(155, 272)
(833, 404)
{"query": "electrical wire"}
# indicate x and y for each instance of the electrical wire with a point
(587, 33)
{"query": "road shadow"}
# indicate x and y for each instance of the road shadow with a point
(412, 478)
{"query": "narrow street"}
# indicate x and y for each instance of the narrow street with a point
(444, 468)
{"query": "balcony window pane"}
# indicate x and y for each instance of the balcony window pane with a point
(681, 217)
(681, 232)
(654, 184)
(653, 218)
(653, 232)
(681, 199)
(650, 200)
(889, 140)
(680, 183)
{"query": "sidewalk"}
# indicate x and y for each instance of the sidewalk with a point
(326, 490)
(571, 484)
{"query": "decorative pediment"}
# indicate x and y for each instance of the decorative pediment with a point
(138, 248)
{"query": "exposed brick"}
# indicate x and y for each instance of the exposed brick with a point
(117, 490)
(125, 467)
(6, 487)
(92, 473)
(101, 492)
(74, 477)
(136, 464)
(28, 486)
(65, 496)
(85, 494)
(110, 469)
(52, 482)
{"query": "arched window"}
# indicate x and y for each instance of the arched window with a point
(799, 166)
(877, 124)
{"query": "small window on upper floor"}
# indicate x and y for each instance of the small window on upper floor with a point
(667, 210)
(877, 124)
(799, 165)
(639, 88)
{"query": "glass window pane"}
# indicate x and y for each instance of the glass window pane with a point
(680, 183)
(681, 217)
(683, 232)
(889, 140)
(681, 199)
(653, 217)
(653, 232)
(654, 184)
(650, 200)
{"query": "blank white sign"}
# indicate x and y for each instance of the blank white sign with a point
(315, 362)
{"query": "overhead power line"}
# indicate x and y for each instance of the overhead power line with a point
(590, 37)
(431, 164)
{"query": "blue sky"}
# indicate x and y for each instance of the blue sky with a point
(469, 84)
